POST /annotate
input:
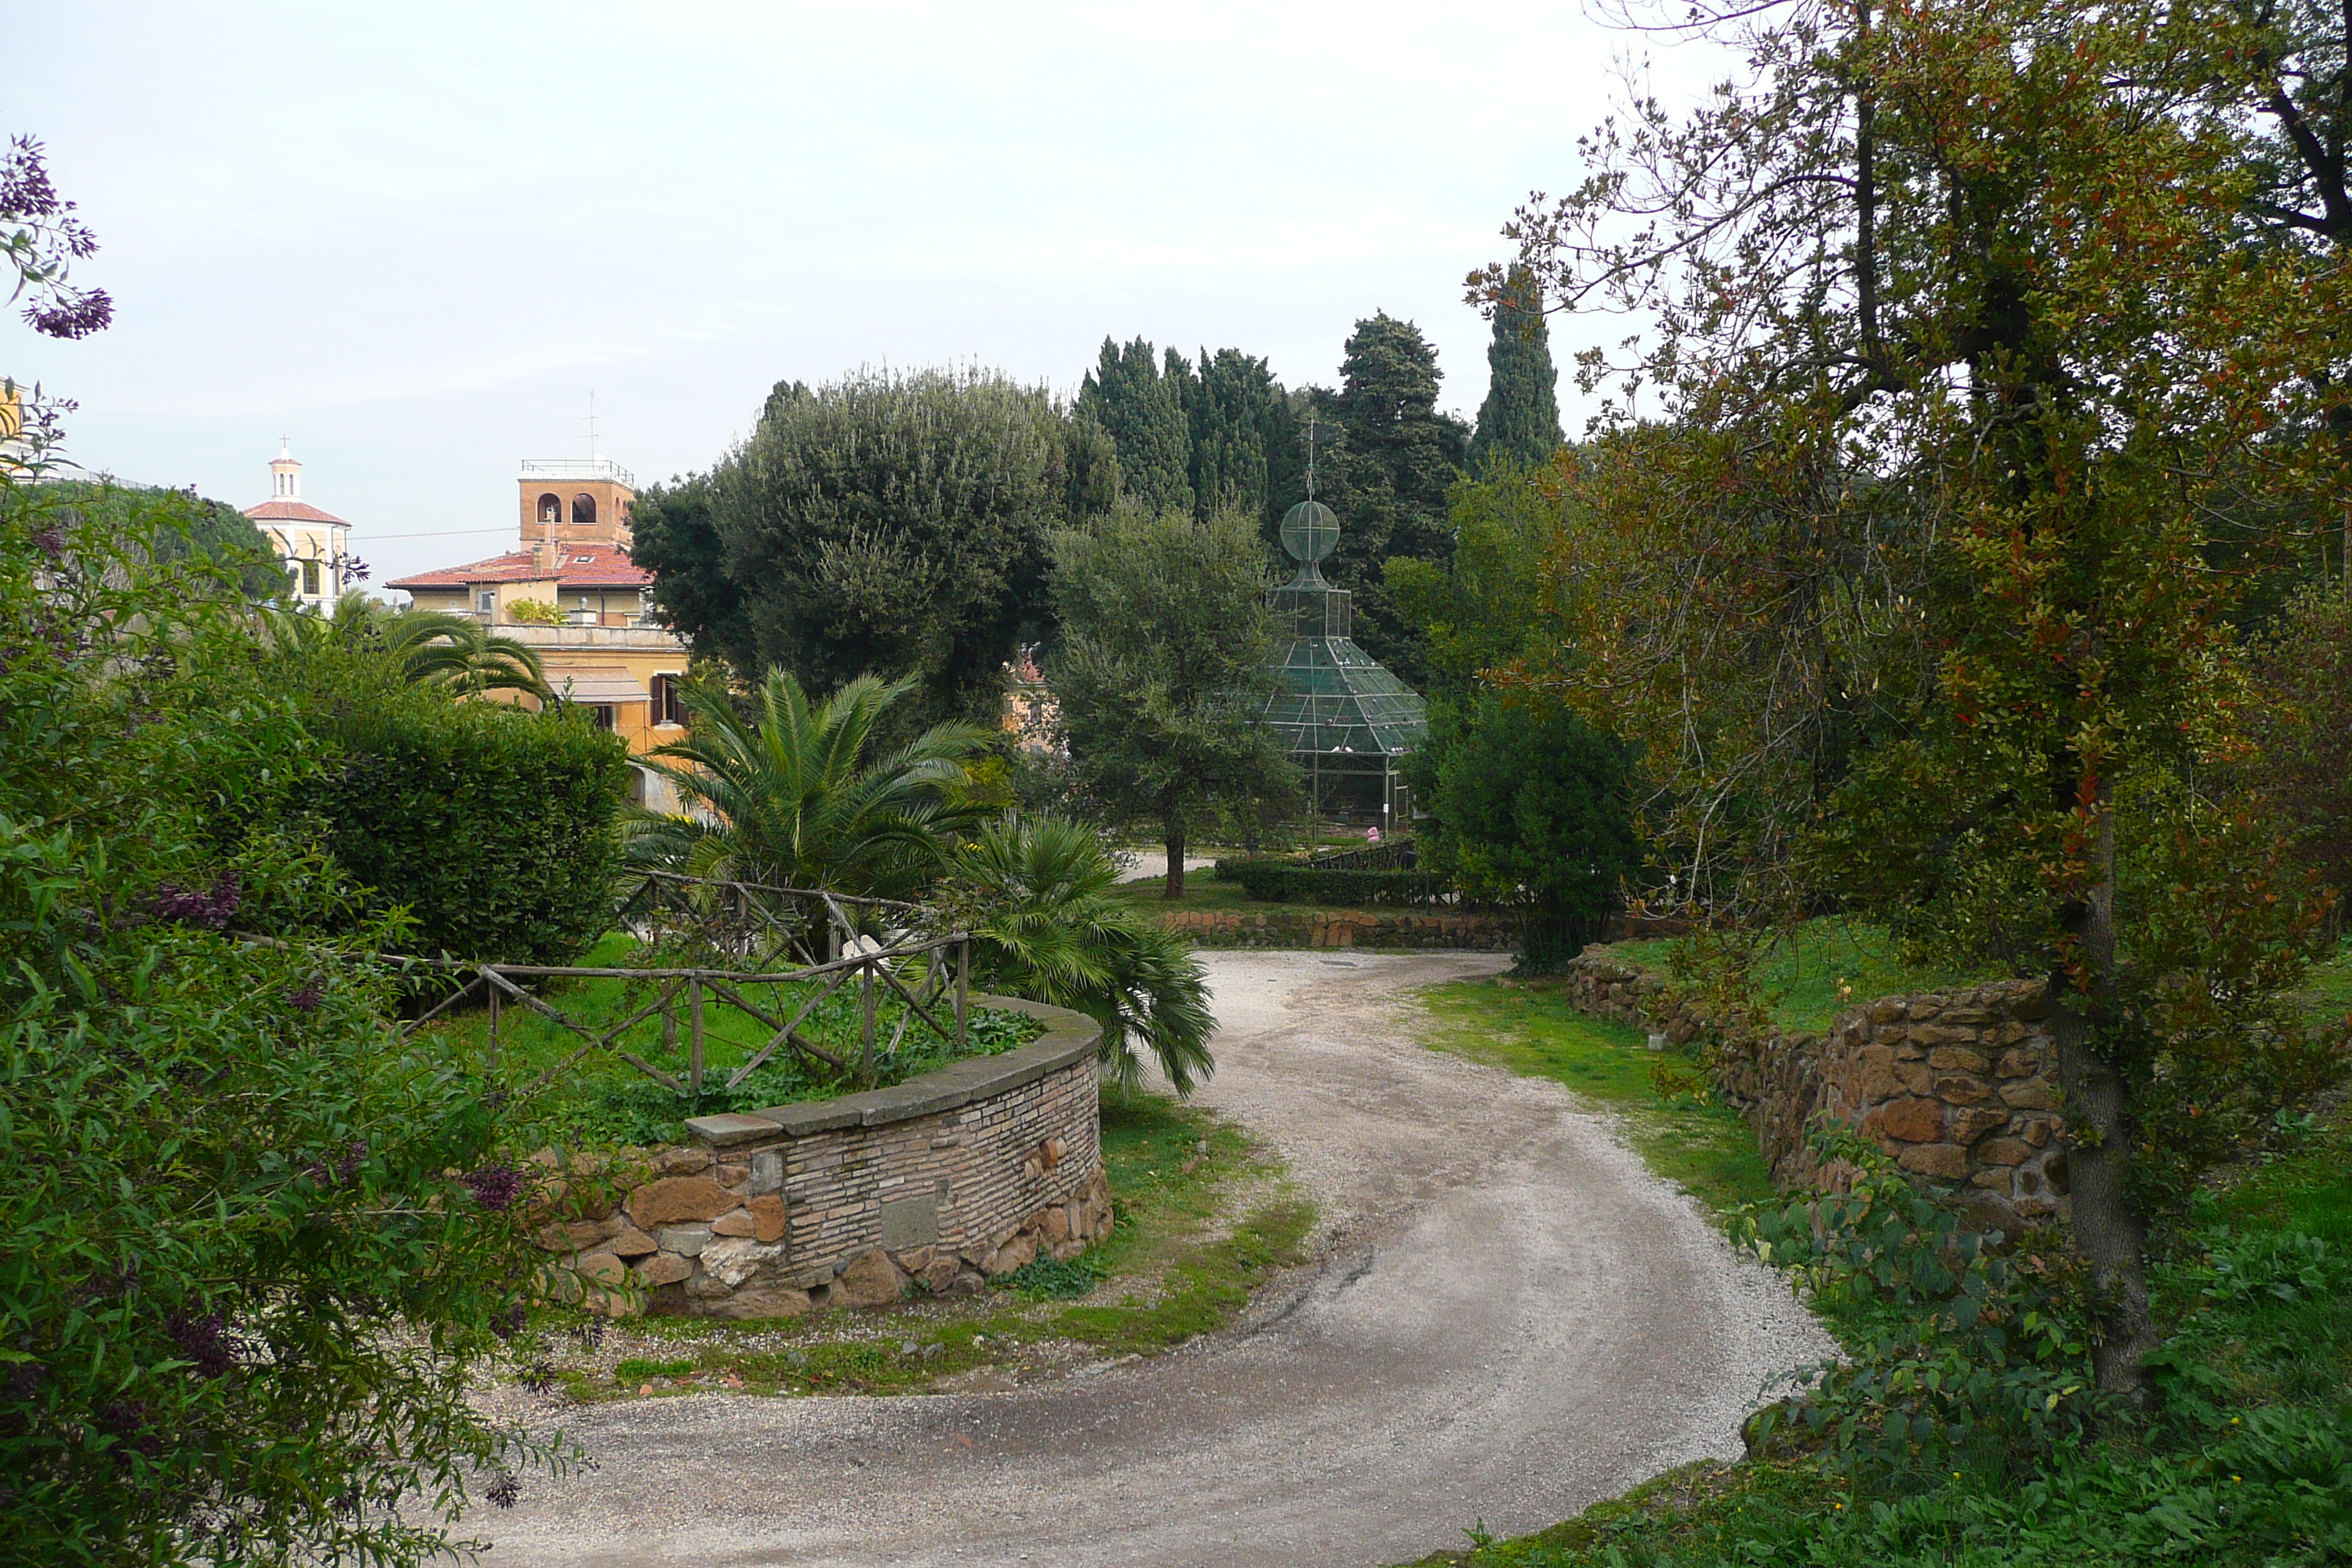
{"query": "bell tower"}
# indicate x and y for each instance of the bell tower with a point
(285, 473)
(576, 501)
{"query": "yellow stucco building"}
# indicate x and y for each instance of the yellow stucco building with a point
(571, 594)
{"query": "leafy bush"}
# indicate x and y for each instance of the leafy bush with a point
(1055, 1280)
(495, 826)
(1532, 806)
(537, 613)
(1278, 882)
(1969, 1354)
(258, 1245)
(620, 1106)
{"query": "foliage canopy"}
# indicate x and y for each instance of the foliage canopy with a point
(1161, 673)
(1963, 341)
(223, 1174)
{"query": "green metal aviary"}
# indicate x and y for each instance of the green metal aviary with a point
(1348, 721)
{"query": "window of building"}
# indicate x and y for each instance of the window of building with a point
(550, 508)
(310, 577)
(603, 712)
(487, 601)
(669, 700)
(583, 510)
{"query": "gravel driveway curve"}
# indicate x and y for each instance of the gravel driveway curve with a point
(1512, 1320)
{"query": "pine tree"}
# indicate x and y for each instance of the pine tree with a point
(1519, 421)
(1143, 410)
(1387, 475)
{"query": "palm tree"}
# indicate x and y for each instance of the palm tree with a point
(790, 798)
(444, 648)
(426, 647)
(1045, 924)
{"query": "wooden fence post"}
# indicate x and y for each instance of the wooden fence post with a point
(964, 993)
(490, 1059)
(694, 1044)
(866, 1049)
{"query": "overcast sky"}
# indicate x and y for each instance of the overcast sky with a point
(415, 238)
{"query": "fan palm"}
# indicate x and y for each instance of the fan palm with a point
(426, 647)
(790, 797)
(1045, 923)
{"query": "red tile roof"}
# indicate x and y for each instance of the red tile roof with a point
(291, 511)
(577, 566)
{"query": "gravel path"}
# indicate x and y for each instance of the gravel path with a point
(1151, 865)
(1513, 1319)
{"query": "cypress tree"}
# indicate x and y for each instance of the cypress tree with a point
(1143, 411)
(1519, 421)
(1244, 438)
(1387, 477)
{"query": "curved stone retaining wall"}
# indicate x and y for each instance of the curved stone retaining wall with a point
(937, 1183)
(1960, 1087)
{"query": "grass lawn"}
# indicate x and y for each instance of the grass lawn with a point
(602, 1100)
(1202, 892)
(2327, 995)
(1176, 1265)
(1818, 970)
(1661, 1097)
(1827, 965)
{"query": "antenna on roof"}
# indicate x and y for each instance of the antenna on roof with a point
(1314, 437)
(591, 423)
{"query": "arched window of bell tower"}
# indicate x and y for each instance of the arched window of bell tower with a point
(550, 508)
(583, 510)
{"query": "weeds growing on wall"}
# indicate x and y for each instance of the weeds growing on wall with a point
(1960, 1351)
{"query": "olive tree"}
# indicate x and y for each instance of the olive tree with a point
(1161, 674)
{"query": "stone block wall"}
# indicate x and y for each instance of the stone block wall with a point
(1346, 928)
(940, 1182)
(1960, 1088)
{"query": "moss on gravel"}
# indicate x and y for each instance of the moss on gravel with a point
(1664, 1104)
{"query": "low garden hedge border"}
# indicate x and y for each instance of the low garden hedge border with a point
(1282, 881)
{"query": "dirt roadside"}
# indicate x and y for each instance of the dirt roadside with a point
(1511, 1319)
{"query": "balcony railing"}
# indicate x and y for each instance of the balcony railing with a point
(578, 468)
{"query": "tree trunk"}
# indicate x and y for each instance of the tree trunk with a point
(2110, 1236)
(1175, 859)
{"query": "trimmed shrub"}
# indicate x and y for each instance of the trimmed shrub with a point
(1281, 881)
(494, 825)
(1528, 807)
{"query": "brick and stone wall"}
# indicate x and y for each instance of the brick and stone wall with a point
(1346, 928)
(1960, 1088)
(944, 1180)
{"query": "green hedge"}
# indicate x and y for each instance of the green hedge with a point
(1279, 881)
(494, 825)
